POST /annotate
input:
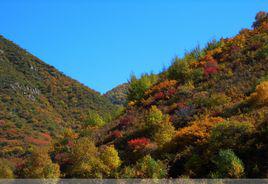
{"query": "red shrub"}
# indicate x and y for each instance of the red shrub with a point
(37, 141)
(2, 122)
(62, 158)
(138, 144)
(126, 120)
(70, 143)
(171, 92)
(117, 134)
(210, 68)
(159, 96)
(46, 136)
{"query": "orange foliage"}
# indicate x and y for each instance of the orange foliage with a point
(197, 133)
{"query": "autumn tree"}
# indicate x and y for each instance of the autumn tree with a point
(90, 162)
(162, 130)
(109, 156)
(40, 165)
(6, 169)
(147, 167)
(260, 96)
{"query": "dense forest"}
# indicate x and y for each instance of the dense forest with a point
(205, 116)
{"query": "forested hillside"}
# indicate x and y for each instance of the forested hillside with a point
(206, 116)
(38, 103)
(118, 95)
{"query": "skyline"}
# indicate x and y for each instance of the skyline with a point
(101, 43)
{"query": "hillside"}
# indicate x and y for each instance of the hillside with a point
(37, 100)
(205, 116)
(118, 95)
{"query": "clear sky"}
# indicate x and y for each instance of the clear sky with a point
(100, 42)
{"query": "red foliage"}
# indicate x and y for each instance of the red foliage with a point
(2, 122)
(62, 158)
(210, 68)
(126, 120)
(117, 134)
(11, 131)
(37, 141)
(182, 105)
(46, 136)
(138, 144)
(159, 96)
(171, 92)
(70, 143)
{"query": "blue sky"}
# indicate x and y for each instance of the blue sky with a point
(100, 42)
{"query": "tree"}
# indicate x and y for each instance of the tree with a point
(86, 163)
(39, 165)
(230, 134)
(94, 120)
(260, 18)
(179, 70)
(260, 96)
(137, 87)
(162, 130)
(228, 165)
(146, 167)
(6, 169)
(110, 158)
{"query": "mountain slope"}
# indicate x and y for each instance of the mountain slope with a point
(118, 95)
(206, 116)
(36, 98)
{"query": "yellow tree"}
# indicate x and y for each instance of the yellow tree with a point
(40, 165)
(6, 170)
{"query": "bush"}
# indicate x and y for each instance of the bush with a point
(138, 144)
(228, 165)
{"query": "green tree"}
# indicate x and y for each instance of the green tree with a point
(179, 70)
(228, 165)
(230, 134)
(94, 120)
(137, 87)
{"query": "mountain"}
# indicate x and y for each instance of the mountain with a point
(36, 100)
(118, 95)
